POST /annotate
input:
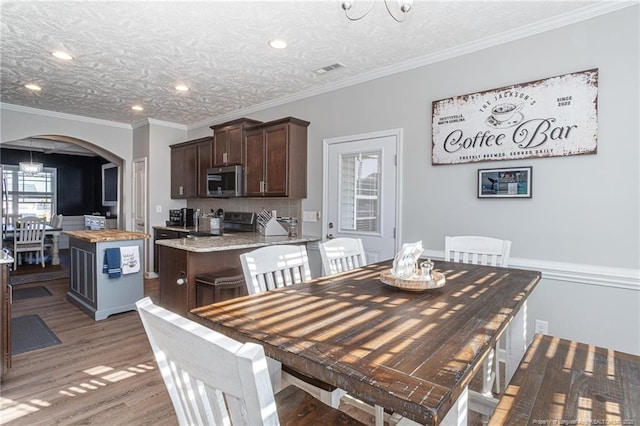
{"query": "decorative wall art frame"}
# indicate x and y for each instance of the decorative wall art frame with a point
(554, 117)
(513, 182)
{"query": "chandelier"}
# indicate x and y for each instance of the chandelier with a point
(30, 168)
(403, 5)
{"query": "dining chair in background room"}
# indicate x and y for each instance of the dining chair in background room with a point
(276, 266)
(55, 223)
(480, 250)
(235, 389)
(341, 254)
(28, 237)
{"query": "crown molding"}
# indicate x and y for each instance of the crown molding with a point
(550, 24)
(154, 122)
(63, 116)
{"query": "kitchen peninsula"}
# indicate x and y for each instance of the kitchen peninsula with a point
(182, 259)
(100, 293)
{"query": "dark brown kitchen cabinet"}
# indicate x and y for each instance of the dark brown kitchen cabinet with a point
(188, 172)
(228, 145)
(204, 149)
(276, 159)
(160, 233)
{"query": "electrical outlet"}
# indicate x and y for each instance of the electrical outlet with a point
(542, 327)
(309, 216)
(158, 208)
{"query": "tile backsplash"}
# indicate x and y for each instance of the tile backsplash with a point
(283, 206)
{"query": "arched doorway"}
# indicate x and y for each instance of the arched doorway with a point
(45, 144)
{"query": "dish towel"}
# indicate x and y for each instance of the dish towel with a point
(130, 256)
(111, 264)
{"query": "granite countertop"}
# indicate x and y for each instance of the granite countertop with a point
(102, 235)
(241, 240)
(176, 228)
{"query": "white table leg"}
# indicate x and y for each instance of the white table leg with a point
(55, 252)
(457, 415)
(516, 342)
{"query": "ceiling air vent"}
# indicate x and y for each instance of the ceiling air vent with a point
(329, 68)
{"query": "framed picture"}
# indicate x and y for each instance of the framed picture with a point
(504, 183)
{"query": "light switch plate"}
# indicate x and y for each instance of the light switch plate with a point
(158, 208)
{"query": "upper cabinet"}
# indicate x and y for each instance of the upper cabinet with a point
(275, 160)
(228, 142)
(189, 161)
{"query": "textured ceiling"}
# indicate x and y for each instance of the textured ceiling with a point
(135, 52)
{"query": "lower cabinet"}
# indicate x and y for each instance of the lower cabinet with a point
(178, 270)
(93, 291)
(164, 234)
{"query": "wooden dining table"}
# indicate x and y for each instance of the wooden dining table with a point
(413, 353)
(49, 231)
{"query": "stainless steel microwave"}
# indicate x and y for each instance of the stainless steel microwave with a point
(225, 181)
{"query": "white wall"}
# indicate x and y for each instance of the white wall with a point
(585, 210)
(116, 138)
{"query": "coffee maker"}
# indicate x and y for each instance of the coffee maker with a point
(186, 217)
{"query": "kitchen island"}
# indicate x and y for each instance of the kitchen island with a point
(99, 293)
(181, 260)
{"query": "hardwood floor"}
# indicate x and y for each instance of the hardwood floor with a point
(103, 373)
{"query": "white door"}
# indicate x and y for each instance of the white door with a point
(139, 194)
(361, 191)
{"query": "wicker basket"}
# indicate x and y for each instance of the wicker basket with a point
(413, 284)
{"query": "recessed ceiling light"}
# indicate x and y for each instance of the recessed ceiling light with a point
(33, 87)
(62, 55)
(137, 108)
(277, 43)
(181, 87)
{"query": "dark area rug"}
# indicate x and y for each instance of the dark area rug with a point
(29, 333)
(57, 274)
(30, 293)
(27, 273)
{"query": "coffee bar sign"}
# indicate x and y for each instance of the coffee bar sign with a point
(553, 117)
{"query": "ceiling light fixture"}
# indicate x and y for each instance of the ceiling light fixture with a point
(137, 108)
(30, 168)
(277, 43)
(34, 87)
(181, 87)
(62, 55)
(404, 5)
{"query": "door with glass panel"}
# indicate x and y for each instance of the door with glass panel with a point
(360, 186)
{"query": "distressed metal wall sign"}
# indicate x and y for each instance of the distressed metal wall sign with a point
(553, 117)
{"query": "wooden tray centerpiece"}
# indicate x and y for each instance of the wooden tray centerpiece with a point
(416, 283)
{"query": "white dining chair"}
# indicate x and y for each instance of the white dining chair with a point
(276, 266)
(213, 379)
(477, 250)
(480, 250)
(28, 237)
(341, 254)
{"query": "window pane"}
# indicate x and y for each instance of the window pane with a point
(30, 195)
(360, 192)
